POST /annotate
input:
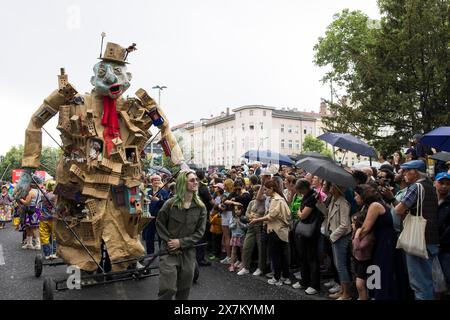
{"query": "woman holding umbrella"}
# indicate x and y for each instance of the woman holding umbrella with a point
(308, 244)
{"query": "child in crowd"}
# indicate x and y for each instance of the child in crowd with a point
(216, 232)
(237, 228)
(361, 257)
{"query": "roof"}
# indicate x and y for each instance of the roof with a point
(182, 126)
(295, 115)
(253, 107)
(220, 119)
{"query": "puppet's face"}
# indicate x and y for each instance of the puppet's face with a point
(110, 79)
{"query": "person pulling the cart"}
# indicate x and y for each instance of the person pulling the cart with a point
(181, 223)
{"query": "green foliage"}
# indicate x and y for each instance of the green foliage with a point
(396, 76)
(312, 144)
(13, 158)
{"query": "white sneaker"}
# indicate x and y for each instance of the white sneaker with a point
(225, 260)
(298, 275)
(139, 265)
(257, 272)
(37, 247)
(336, 288)
(236, 264)
(330, 284)
(311, 291)
(297, 285)
(54, 256)
(47, 257)
(269, 275)
(287, 281)
(243, 271)
(273, 281)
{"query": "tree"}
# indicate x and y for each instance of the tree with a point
(312, 144)
(395, 77)
(13, 158)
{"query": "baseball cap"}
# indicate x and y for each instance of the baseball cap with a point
(414, 164)
(442, 175)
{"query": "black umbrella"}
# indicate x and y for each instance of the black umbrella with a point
(327, 170)
(442, 156)
(348, 142)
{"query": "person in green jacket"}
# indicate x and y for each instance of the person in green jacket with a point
(181, 223)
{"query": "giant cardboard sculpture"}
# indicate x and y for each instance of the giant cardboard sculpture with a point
(98, 177)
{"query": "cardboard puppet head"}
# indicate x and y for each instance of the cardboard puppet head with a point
(110, 75)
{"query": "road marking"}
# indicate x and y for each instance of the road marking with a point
(2, 258)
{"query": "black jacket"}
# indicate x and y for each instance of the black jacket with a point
(444, 225)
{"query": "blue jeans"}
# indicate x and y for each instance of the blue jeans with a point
(420, 273)
(340, 257)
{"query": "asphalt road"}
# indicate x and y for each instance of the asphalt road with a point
(17, 281)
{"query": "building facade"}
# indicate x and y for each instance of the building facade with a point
(223, 140)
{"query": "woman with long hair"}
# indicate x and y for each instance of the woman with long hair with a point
(226, 215)
(278, 222)
(181, 223)
(379, 221)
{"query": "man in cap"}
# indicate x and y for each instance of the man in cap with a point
(442, 184)
(100, 194)
(419, 269)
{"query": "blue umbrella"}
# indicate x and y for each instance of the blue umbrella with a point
(267, 156)
(438, 138)
(348, 142)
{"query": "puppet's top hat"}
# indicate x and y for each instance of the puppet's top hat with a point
(116, 53)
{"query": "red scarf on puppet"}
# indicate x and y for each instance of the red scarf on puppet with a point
(110, 121)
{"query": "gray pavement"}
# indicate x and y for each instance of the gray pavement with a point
(17, 281)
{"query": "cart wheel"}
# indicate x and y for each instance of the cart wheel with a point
(38, 265)
(196, 272)
(47, 293)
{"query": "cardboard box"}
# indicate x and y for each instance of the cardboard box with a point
(145, 98)
(110, 166)
(78, 172)
(44, 114)
(99, 191)
(129, 124)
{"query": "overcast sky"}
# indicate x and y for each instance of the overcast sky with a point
(211, 54)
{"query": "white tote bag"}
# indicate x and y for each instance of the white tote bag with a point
(412, 238)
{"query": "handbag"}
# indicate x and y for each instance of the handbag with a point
(412, 237)
(307, 230)
(363, 247)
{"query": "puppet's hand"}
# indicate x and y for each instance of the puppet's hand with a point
(23, 185)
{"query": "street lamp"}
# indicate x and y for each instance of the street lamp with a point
(159, 93)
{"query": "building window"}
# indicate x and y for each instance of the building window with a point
(290, 144)
(290, 129)
(297, 129)
(264, 113)
(243, 127)
(304, 131)
(240, 114)
(251, 112)
(282, 143)
(261, 125)
(297, 144)
(282, 128)
(252, 126)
